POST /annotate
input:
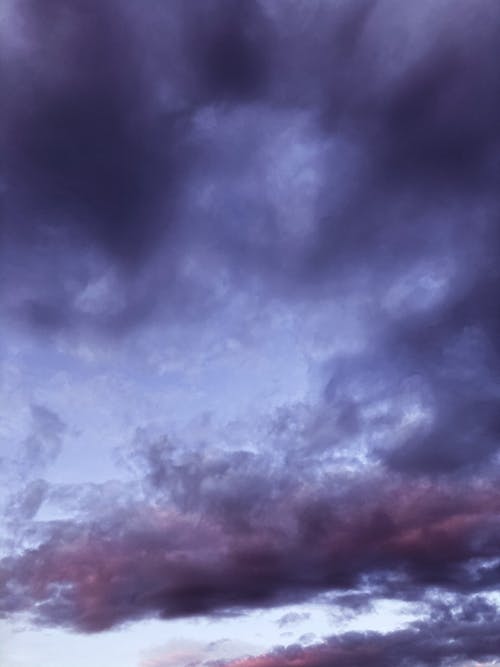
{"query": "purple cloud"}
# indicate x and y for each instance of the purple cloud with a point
(229, 553)
(191, 167)
(446, 637)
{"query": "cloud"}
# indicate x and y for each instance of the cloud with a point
(90, 157)
(30, 454)
(230, 50)
(180, 653)
(44, 443)
(448, 636)
(118, 134)
(126, 198)
(292, 617)
(247, 539)
(161, 164)
(25, 504)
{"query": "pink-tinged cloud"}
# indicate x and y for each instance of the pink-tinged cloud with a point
(153, 562)
(451, 636)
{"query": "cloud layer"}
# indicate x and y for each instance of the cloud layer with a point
(222, 535)
(187, 165)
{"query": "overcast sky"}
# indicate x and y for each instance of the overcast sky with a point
(250, 333)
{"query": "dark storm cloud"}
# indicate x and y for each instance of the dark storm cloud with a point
(447, 636)
(99, 149)
(92, 166)
(88, 155)
(101, 162)
(230, 49)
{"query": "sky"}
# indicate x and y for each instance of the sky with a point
(250, 335)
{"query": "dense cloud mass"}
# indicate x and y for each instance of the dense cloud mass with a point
(225, 534)
(164, 163)
(119, 121)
